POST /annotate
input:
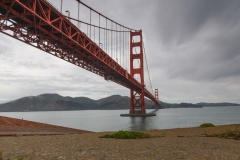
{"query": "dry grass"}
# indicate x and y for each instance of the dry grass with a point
(229, 134)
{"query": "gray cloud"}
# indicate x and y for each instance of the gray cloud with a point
(201, 38)
(180, 20)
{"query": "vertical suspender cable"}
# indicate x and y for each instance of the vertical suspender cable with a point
(78, 14)
(90, 23)
(106, 36)
(94, 34)
(120, 46)
(111, 38)
(128, 49)
(123, 47)
(99, 32)
(116, 44)
(124, 60)
(87, 29)
(147, 67)
(61, 6)
(108, 41)
(104, 39)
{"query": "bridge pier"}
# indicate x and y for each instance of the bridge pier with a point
(138, 115)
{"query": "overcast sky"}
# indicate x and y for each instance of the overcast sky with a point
(193, 50)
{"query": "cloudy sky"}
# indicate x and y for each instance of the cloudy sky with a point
(193, 50)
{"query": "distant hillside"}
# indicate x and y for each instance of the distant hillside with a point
(55, 102)
(181, 105)
(204, 104)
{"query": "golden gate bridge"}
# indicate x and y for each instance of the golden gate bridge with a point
(99, 45)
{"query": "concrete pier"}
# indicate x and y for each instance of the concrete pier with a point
(138, 115)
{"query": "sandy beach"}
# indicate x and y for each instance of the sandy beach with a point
(182, 143)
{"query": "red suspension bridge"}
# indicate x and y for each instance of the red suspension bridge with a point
(99, 45)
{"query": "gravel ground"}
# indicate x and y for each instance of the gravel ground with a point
(170, 144)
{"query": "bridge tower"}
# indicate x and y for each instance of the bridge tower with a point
(156, 94)
(137, 96)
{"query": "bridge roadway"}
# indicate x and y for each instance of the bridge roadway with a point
(39, 24)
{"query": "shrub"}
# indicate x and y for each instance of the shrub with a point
(233, 134)
(126, 135)
(204, 125)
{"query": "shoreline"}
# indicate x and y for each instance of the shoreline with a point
(13, 126)
(68, 143)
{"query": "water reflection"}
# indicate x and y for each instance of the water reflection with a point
(137, 123)
(142, 123)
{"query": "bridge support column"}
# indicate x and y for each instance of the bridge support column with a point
(137, 104)
(157, 98)
(137, 71)
(156, 94)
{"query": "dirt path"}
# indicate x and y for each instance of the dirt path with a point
(13, 126)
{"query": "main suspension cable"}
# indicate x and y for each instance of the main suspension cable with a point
(105, 16)
(147, 66)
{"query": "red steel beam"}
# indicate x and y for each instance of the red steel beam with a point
(39, 24)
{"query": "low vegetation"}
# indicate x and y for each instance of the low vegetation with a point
(204, 125)
(127, 135)
(20, 157)
(230, 134)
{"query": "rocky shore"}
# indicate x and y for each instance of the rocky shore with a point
(182, 143)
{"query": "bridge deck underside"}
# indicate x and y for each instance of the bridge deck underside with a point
(39, 24)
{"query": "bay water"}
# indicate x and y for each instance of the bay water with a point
(110, 120)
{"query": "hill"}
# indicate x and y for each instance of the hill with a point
(204, 104)
(55, 102)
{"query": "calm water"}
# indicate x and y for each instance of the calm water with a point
(110, 120)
